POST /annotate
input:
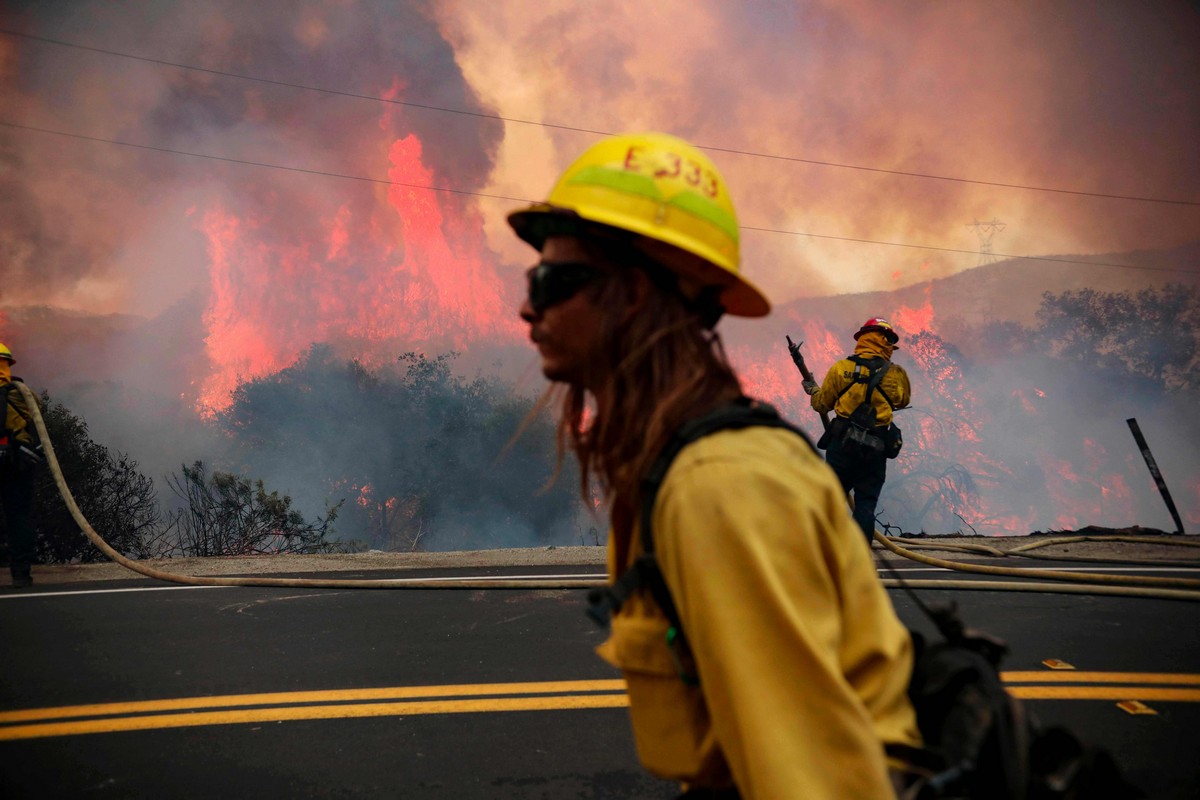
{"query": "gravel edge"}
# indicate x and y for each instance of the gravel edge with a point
(567, 555)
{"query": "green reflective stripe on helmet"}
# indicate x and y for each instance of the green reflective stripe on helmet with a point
(619, 179)
(644, 186)
(708, 211)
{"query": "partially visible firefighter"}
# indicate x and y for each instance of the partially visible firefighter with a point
(863, 390)
(20, 454)
(761, 654)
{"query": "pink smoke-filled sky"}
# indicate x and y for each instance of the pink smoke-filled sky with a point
(1088, 97)
(250, 177)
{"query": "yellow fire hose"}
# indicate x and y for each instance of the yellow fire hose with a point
(1179, 542)
(1023, 551)
(1073, 583)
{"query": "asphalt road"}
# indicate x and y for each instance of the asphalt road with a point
(143, 689)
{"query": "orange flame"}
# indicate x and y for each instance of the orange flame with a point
(374, 282)
(915, 320)
(411, 271)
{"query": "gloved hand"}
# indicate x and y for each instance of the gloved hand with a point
(810, 387)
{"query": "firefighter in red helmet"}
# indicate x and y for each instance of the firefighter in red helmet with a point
(863, 390)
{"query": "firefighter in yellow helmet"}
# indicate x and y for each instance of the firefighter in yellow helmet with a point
(762, 656)
(20, 454)
(862, 436)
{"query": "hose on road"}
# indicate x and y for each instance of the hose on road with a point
(1073, 582)
(1066, 582)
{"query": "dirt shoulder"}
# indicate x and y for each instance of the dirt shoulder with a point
(1132, 544)
(335, 562)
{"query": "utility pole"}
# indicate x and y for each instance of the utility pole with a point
(1155, 473)
(985, 231)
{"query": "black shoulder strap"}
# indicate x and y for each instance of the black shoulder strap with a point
(883, 365)
(878, 384)
(742, 413)
(876, 378)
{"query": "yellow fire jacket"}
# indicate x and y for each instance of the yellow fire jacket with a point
(841, 375)
(803, 665)
(19, 418)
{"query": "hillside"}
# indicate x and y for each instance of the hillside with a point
(1011, 291)
(62, 347)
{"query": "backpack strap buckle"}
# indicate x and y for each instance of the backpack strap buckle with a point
(605, 601)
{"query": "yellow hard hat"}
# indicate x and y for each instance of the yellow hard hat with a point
(666, 191)
(6, 354)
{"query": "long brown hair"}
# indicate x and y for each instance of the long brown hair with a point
(663, 368)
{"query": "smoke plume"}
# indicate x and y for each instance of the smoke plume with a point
(193, 194)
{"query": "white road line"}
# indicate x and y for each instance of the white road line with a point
(32, 595)
(598, 576)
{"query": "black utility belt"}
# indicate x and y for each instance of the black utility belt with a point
(878, 430)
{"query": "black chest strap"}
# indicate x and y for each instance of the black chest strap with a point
(877, 369)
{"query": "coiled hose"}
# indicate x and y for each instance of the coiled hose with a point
(1066, 582)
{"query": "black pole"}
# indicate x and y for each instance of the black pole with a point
(1155, 473)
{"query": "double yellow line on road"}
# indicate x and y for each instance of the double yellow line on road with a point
(235, 709)
(402, 701)
(1159, 686)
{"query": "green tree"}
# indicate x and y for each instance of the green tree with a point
(1153, 334)
(229, 515)
(420, 455)
(118, 500)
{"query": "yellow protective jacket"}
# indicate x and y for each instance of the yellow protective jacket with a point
(19, 420)
(839, 392)
(803, 665)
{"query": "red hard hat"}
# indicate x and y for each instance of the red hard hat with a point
(878, 324)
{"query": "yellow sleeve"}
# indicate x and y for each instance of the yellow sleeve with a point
(831, 388)
(766, 568)
(896, 384)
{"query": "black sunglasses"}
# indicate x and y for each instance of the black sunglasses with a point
(554, 282)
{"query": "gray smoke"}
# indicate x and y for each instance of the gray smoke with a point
(71, 209)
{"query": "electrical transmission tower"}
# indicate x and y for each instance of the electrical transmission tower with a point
(985, 231)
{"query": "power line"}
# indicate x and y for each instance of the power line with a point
(248, 163)
(968, 252)
(516, 120)
(386, 182)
